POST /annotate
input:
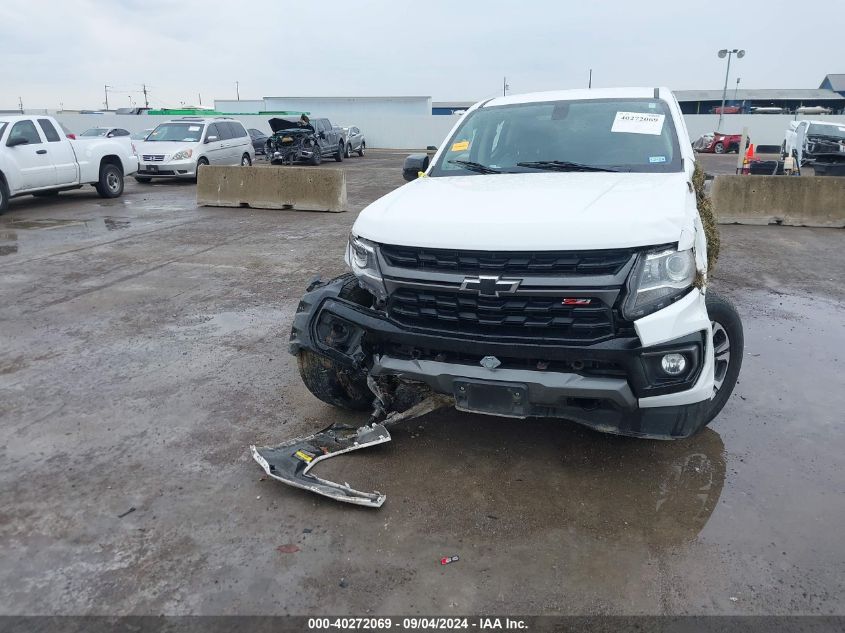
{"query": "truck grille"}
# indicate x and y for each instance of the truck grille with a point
(605, 262)
(152, 158)
(514, 316)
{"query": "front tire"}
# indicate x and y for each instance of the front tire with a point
(4, 195)
(719, 148)
(110, 184)
(316, 156)
(361, 149)
(341, 150)
(246, 161)
(348, 152)
(728, 346)
(335, 384)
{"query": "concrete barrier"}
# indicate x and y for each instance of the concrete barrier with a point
(272, 187)
(790, 200)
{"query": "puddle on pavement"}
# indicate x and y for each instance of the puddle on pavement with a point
(47, 223)
(8, 243)
(221, 324)
(116, 224)
(534, 474)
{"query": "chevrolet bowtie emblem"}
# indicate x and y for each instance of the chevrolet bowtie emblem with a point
(490, 286)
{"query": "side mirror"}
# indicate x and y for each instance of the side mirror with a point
(431, 148)
(110, 135)
(14, 141)
(414, 164)
(210, 139)
(322, 134)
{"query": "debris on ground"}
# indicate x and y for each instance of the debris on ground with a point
(343, 584)
(127, 513)
(291, 461)
(287, 548)
(708, 219)
(449, 559)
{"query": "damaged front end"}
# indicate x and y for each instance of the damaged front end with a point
(290, 142)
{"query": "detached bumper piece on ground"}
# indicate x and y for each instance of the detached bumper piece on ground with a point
(290, 462)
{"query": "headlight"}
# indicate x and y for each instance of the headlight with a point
(362, 259)
(185, 153)
(658, 279)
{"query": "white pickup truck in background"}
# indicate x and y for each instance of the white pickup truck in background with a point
(37, 158)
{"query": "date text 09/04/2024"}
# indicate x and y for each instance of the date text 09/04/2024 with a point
(417, 623)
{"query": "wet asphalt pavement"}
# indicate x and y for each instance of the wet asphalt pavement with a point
(144, 348)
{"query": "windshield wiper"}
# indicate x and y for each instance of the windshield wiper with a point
(481, 169)
(563, 165)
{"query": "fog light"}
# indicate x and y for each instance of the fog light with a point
(673, 364)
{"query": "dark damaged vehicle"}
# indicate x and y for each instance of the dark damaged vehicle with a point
(548, 261)
(298, 140)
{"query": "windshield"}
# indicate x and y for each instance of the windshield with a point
(187, 132)
(96, 131)
(596, 135)
(835, 131)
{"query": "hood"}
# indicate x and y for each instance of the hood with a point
(277, 125)
(534, 211)
(164, 147)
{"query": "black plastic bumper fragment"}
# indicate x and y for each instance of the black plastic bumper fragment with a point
(290, 462)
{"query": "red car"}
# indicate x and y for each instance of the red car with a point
(718, 143)
(728, 109)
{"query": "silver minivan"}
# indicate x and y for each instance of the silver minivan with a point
(177, 148)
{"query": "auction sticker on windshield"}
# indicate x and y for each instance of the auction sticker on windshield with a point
(460, 146)
(638, 123)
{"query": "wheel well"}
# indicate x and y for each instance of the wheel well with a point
(111, 159)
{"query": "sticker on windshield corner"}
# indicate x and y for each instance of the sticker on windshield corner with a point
(194, 128)
(460, 146)
(657, 159)
(638, 123)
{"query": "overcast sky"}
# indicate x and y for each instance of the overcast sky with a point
(64, 51)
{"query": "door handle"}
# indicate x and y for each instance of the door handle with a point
(41, 151)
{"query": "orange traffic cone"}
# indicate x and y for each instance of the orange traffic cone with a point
(749, 156)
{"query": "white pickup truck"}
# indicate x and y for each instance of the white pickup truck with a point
(37, 158)
(551, 263)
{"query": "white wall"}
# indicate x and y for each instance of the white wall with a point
(764, 129)
(418, 131)
(351, 107)
(243, 105)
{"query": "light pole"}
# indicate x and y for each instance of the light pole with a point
(737, 88)
(238, 89)
(725, 52)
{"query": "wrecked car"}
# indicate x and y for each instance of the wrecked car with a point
(718, 143)
(303, 140)
(548, 261)
(808, 139)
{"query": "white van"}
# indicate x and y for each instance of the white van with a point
(177, 148)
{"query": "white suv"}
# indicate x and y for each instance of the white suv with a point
(177, 148)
